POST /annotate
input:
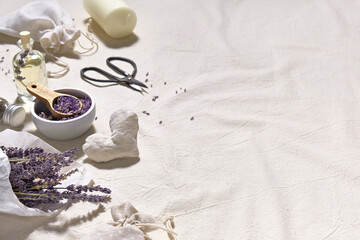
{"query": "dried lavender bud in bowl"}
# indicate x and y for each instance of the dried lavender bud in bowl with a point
(68, 127)
(67, 104)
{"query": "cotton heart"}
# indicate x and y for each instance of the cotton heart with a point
(120, 144)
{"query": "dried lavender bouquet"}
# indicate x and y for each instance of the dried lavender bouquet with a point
(35, 178)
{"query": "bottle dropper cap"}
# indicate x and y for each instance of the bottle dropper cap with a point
(25, 37)
(14, 115)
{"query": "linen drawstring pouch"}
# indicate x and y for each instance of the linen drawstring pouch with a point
(51, 26)
(129, 223)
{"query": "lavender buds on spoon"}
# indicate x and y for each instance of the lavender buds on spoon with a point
(60, 105)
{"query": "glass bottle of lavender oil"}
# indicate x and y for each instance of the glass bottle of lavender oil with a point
(29, 66)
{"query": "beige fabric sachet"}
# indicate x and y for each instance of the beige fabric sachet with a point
(129, 223)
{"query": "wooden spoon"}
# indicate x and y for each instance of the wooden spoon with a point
(49, 98)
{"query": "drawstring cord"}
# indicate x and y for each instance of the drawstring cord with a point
(89, 36)
(62, 64)
(168, 222)
(168, 226)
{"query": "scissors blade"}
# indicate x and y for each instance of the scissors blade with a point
(136, 82)
(136, 87)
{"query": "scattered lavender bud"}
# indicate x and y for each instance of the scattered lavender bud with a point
(145, 112)
(95, 118)
(146, 80)
(160, 122)
(181, 88)
(7, 50)
(2, 58)
(147, 74)
(9, 71)
(164, 83)
(176, 91)
(192, 118)
(184, 89)
(150, 85)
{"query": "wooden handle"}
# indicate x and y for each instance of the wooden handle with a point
(42, 93)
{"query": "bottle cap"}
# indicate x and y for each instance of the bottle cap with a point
(14, 115)
(25, 37)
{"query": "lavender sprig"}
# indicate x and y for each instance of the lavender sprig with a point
(35, 177)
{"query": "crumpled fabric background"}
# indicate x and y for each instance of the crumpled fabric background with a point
(272, 151)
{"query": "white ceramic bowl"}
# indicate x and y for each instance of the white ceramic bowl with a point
(67, 129)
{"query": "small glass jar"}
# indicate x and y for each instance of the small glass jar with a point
(11, 114)
(29, 66)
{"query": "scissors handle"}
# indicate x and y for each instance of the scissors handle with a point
(111, 78)
(116, 69)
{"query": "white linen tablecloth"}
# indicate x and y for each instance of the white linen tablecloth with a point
(273, 149)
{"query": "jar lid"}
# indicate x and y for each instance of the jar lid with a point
(14, 115)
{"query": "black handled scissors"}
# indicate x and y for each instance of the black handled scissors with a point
(128, 79)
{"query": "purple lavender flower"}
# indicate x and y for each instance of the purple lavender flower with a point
(71, 187)
(17, 70)
(35, 176)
